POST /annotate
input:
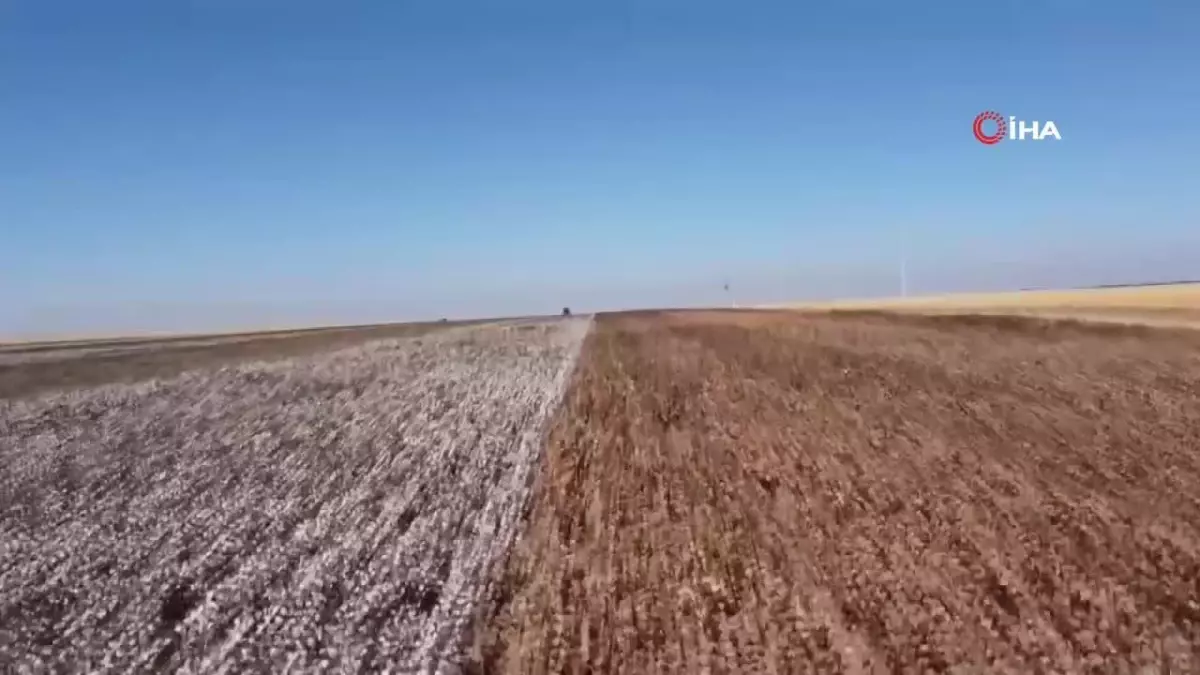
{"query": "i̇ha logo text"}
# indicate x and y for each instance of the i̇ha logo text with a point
(990, 128)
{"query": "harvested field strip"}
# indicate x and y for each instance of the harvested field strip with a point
(332, 513)
(739, 492)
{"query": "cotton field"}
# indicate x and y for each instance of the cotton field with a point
(660, 492)
(333, 512)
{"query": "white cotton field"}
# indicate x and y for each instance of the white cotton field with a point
(337, 512)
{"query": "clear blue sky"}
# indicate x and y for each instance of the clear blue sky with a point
(218, 163)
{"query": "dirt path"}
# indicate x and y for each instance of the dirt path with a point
(770, 493)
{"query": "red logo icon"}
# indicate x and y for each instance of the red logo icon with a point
(1001, 127)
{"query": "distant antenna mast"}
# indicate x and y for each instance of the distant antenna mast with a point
(904, 277)
(732, 302)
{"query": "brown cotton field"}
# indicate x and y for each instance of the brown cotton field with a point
(677, 492)
(772, 493)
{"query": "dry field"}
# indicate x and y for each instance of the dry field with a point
(771, 492)
(720, 491)
(1166, 305)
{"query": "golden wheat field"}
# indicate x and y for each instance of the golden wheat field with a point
(1167, 304)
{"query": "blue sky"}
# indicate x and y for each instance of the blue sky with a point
(174, 165)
